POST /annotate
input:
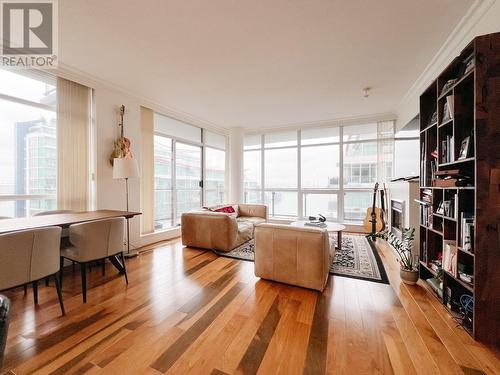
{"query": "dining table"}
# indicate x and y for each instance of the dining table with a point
(64, 220)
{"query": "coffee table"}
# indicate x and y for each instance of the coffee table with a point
(330, 227)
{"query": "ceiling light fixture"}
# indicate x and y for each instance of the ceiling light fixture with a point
(366, 92)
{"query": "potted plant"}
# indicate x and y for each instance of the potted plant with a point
(407, 262)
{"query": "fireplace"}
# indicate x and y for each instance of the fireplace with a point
(397, 217)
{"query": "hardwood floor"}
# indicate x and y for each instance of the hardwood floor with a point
(188, 311)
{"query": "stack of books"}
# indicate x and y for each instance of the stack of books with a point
(450, 178)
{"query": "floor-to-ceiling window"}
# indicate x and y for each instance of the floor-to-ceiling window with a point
(189, 169)
(328, 171)
(28, 154)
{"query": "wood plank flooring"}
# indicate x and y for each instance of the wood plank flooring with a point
(187, 311)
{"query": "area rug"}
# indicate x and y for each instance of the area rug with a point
(357, 259)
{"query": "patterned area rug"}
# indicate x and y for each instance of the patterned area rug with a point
(357, 259)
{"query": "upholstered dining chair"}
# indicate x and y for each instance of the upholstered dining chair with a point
(28, 256)
(94, 241)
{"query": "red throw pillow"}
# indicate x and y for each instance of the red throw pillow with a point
(226, 210)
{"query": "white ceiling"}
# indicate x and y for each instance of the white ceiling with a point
(258, 63)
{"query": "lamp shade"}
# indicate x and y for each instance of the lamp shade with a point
(125, 168)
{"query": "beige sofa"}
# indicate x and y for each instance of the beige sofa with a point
(293, 255)
(221, 231)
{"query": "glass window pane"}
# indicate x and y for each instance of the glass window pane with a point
(253, 196)
(360, 132)
(324, 204)
(28, 156)
(356, 203)
(214, 197)
(214, 139)
(406, 158)
(360, 164)
(187, 177)
(252, 169)
(319, 136)
(280, 139)
(163, 182)
(281, 168)
(187, 200)
(163, 209)
(26, 207)
(320, 167)
(215, 169)
(252, 142)
(281, 203)
(35, 87)
(175, 128)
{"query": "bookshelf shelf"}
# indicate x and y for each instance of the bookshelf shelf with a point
(429, 127)
(457, 162)
(456, 114)
(447, 122)
(467, 286)
(465, 77)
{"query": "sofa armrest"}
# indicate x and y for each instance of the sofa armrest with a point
(209, 230)
(255, 210)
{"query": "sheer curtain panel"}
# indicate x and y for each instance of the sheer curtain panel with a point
(147, 168)
(73, 115)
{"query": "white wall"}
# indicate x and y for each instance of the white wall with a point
(482, 18)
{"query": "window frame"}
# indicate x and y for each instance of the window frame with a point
(341, 191)
(203, 146)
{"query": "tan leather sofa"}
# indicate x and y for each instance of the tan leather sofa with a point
(221, 231)
(293, 255)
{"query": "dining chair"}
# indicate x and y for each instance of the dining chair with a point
(29, 256)
(95, 241)
(65, 231)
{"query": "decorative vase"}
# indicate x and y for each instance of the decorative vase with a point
(409, 277)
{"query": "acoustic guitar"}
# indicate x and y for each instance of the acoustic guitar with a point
(374, 219)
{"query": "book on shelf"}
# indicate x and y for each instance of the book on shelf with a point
(447, 149)
(450, 253)
(450, 105)
(467, 231)
(426, 215)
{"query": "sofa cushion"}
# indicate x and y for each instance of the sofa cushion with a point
(245, 232)
(251, 219)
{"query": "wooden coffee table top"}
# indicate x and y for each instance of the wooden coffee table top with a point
(330, 227)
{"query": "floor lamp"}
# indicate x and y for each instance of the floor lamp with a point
(124, 169)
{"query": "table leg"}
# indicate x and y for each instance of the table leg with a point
(339, 240)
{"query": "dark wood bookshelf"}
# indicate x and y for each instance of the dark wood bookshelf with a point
(463, 101)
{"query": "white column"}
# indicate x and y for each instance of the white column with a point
(236, 165)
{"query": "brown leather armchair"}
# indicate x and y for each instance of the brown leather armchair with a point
(221, 231)
(293, 255)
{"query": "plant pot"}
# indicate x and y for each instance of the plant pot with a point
(408, 277)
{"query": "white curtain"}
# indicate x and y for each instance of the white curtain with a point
(73, 124)
(147, 170)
